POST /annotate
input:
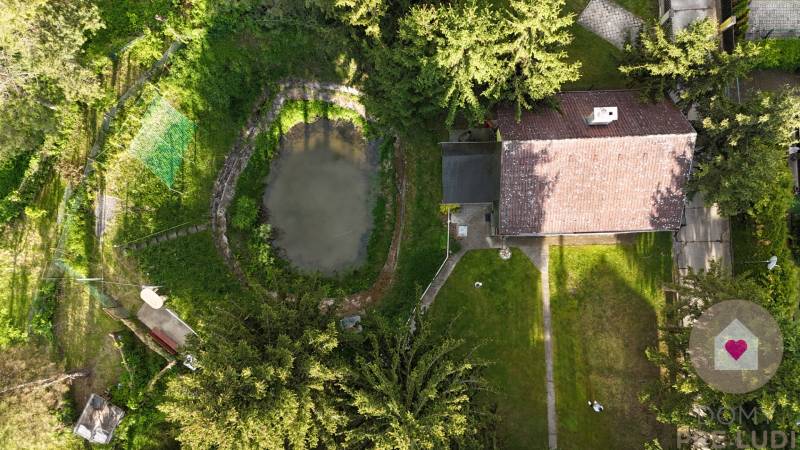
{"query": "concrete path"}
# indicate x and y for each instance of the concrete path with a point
(538, 250)
(438, 281)
(610, 21)
(705, 236)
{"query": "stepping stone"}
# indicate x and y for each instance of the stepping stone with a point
(610, 21)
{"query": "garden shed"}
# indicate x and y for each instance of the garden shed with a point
(98, 420)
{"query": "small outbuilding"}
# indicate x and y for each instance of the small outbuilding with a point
(98, 420)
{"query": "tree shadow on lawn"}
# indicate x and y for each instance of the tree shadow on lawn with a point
(601, 328)
(503, 319)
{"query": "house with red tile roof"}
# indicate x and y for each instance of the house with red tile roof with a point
(601, 162)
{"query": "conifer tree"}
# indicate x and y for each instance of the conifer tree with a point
(691, 63)
(266, 380)
(413, 389)
(458, 52)
(536, 66)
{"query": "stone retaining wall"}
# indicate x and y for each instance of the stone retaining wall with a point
(261, 121)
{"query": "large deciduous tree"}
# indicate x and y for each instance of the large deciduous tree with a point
(691, 63)
(265, 381)
(413, 389)
(40, 67)
(676, 396)
(742, 150)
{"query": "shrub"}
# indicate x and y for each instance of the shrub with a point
(245, 213)
(44, 310)
(783, 54)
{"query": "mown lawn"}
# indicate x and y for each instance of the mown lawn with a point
(599, 59)
(503, 318)
(605, 302)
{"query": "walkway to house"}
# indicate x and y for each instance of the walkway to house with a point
(705, 236)
(610, 21)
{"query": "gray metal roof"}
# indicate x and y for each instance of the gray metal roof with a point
(471, 172)
(773, 18)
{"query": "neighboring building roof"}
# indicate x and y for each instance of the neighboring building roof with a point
(98, 420)
(471, 172)
(560, 175)
(773, 18)
(683, 12)
(568, 120)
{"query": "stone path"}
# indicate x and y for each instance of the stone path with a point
(610, 21)
(164, 236)
(552, 428)
(538, 250)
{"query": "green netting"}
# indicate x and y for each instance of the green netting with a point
(163, 137)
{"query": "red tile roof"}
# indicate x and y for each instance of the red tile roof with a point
(564, 176)
(568, 121)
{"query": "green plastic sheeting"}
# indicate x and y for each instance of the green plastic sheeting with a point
(162, 139)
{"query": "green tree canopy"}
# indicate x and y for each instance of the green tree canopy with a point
(265, 381)
(691, 63)
(742, 149)
(677, 394)
(40, 67)
(413, 390)
(458, 52)
(535, 64)
(464, 56)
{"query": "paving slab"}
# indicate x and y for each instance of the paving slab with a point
(704, 237)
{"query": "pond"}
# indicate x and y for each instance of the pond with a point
(320, 195)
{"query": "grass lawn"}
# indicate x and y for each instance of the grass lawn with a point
(599, 61)
(424, 232)
(605, 301)
(504, 317)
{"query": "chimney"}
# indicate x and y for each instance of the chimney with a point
(603, 116)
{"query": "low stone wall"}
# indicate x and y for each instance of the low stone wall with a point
(261, 121)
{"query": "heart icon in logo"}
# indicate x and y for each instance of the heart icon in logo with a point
(736, 348)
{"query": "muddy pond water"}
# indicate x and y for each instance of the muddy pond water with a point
(320, 194)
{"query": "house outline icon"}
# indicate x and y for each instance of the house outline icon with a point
(722, 358)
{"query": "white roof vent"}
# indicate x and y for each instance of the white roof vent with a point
(603, 116)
